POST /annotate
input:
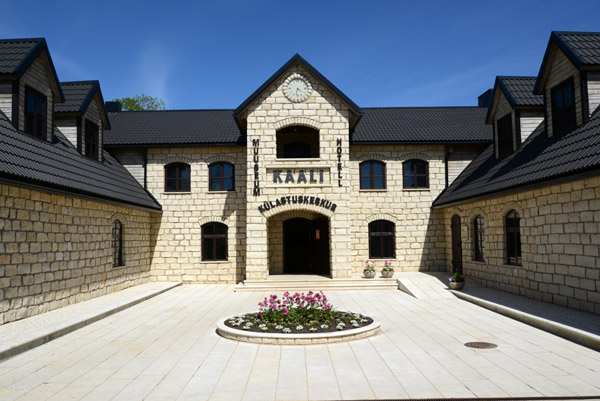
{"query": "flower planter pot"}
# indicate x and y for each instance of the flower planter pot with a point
(369, 274)
(457, 285)
(387, 274)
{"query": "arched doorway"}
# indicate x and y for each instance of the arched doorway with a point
(456, 245)
(299, 244)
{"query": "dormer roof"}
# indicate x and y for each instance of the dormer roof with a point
(297, 59)
(518, 92)
(581, 48)
(78, 96)
(16, 55)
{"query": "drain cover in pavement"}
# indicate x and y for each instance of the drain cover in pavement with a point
(480, 345)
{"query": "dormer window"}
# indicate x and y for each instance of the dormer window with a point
(505, 136)
(563, 108)
(35, 113)
(91, 140)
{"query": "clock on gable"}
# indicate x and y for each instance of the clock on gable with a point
(297, 88)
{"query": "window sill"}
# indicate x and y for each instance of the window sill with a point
(176, 193)
(215, 261)
(120, 267)
(479, 262)
(416, 189)
(220, 192)
(511, 266)
(384, 258)
(372, 190)
(298, 159)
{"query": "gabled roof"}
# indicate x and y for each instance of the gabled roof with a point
(422, 125)
(26, 160)
(297, 59)
(78, 96)
(581, 48)
(16, 55)
(539, 161)
(173, 128)
(518, 91)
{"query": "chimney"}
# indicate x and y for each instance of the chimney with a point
(112, 107)
(485, 99)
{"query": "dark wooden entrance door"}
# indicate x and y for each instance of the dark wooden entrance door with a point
(456, 245)
(305, 246)
(319, 246)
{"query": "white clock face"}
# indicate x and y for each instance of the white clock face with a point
(297, 90)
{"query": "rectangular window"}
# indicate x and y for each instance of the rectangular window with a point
(35, 113)
(563, 108)
(513, 239)
(91, 140)
(505, 136)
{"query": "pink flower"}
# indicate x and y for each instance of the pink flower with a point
(285, 311)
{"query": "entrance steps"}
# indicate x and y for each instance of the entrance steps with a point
(422, 285)
(316, 283)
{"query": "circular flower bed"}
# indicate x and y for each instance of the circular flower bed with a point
(297, 313)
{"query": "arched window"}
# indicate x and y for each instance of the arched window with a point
(177, 177)
(214, 241)
(117, 243)
(416, 174)
(382, 239)
(297, 142)
(221, 177)
(513, 238)
(372, 175)
(478, 238)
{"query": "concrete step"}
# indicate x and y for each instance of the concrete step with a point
(312, 284)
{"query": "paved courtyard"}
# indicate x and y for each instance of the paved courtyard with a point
(166, 348)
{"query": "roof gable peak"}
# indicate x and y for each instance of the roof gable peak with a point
(296, 59)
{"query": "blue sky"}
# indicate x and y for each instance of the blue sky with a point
(214, 54)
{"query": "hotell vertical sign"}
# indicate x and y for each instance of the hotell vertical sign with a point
(256, 191)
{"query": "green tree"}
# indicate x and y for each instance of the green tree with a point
(141, 102)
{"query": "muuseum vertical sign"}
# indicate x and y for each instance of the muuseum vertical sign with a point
(255, 146)
(339, 164)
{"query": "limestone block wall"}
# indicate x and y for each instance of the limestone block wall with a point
(178, 252)
(326, 113)
(57, 250)
(419, 230)
(560, 235)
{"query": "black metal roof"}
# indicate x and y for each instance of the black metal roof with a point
(582, 49)
(172, 128)
(422, 125)
(539, 160)
(519, 91)
(378, 125)
(301, 61)
(78, 96)
(28, 160)
(16, 55)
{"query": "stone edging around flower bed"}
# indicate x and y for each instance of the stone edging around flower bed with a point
(298, 338)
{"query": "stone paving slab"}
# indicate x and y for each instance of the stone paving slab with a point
(24, 334)
(167, 349)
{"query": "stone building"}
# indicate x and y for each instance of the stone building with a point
(298, 180)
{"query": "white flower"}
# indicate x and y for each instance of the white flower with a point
(299, 327)
(324, 326)
(287, 330)
(278, 327)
